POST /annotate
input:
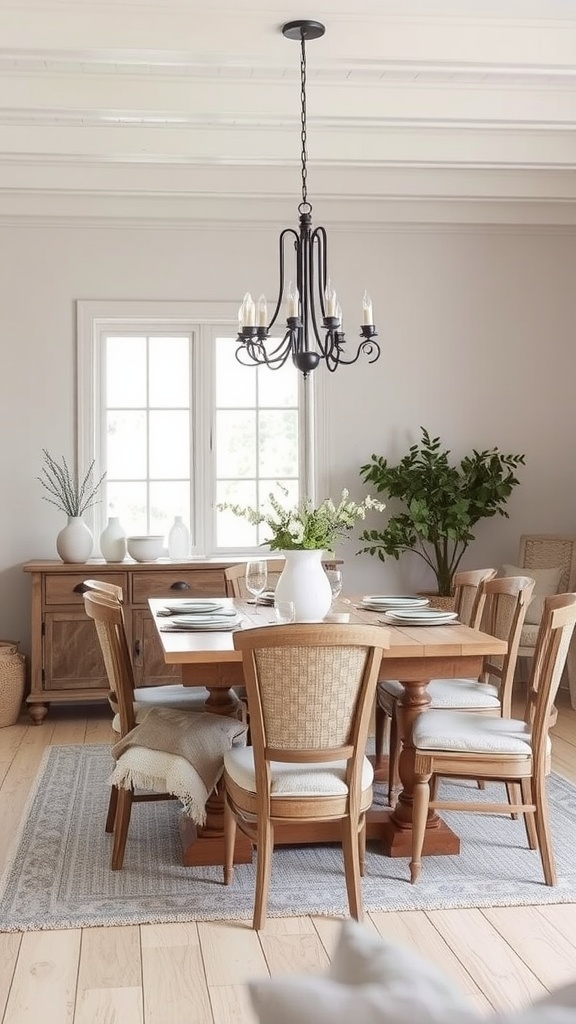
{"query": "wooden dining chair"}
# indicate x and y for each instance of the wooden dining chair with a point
(469, 601)
(144, 767)
(310, 693)
(171, 695)
(516, 752)
(235, 575)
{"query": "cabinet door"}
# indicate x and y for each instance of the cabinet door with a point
(72, 659)
(150, 669)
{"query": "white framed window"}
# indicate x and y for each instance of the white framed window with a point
(177, 424)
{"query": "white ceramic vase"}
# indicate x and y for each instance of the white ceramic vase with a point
(113, 541)
(304, 582)
(74, 542)
(179, 539)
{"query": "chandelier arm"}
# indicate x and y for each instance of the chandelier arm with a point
(281, 286)
(368, 347)
(318, 239)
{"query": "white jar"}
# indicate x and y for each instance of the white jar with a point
(179, 539)
(113, 541)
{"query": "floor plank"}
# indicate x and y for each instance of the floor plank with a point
(175, 986)
(496, 968)
(44, 982)
(549, 954)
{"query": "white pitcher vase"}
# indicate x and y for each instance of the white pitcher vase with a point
(74, 542)
(304, 582)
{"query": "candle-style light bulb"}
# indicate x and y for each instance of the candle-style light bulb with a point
(338, 313)
(249, 311)
(241, 318)
(292, 301)
(367, 315)
(262, 312)
(330, 301)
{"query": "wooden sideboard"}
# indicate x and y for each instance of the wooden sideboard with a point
(66, 663)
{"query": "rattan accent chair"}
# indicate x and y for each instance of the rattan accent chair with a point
(171, 695)
(310, 693)
(469, 601)
(543, 551)
(517, 752)
(234, 577)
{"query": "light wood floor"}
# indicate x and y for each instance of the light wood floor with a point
(176, 973)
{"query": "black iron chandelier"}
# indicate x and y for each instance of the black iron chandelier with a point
(313, 315)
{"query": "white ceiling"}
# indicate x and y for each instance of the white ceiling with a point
(178, 107)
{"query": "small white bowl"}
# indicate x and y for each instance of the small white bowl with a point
(145, 549)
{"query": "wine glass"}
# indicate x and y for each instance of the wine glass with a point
(335, 580)
(284, 611)
(256, 577)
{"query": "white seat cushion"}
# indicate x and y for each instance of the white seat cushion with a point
(295, 779)
(481, 734)
(449, 693)
(180, 698)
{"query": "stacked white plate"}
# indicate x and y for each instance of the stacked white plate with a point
(197, 606)
(383, 602)
(201, 623)
(419, 617)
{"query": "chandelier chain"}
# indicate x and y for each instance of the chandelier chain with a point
(304, 153)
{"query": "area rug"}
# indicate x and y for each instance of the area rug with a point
(58, 874)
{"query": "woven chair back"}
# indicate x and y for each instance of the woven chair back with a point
(109, 621)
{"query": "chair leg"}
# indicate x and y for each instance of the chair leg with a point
(543, 829)
(529, 817)
(421, 801)
(393, 757)
(123, 812)
(434, 784)
(362, 847)
(229, 841)
(350, 851)
(112, 804)
(264, 849)
(379, 732)
(514, 794)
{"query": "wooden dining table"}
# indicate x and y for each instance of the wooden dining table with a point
(415, 655)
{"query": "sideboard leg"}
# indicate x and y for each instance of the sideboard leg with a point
(37, 713)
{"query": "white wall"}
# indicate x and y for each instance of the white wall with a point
(476, 325)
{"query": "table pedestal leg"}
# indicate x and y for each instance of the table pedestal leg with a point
(397, 831)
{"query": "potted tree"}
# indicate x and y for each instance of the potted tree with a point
(442, 502)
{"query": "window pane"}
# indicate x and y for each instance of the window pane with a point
(128, 501)
(167, 500)
(169, 372)
(233, 531)
(278, 387)
(235, 384)
(236, 444)
(125, 372)
(169, 445)
(126, 445)
(278, 437)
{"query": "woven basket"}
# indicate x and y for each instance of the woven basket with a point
(12, 680)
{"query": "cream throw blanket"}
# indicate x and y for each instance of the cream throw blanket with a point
(177, 752)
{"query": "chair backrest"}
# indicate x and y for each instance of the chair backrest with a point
(507, 599)
(310, 692)
(554, 635)
(550, 551)
(235, 577)
(106, 611)
(469, 598)
(105, 588)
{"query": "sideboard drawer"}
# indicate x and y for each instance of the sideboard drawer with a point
(66, 588)
(178, 583)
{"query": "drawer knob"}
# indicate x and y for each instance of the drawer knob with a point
(81, 588)
(180, 585)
